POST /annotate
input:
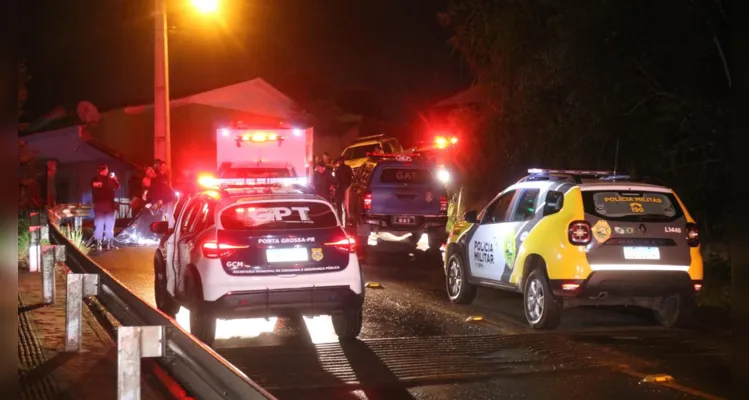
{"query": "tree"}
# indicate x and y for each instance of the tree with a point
(567, 81)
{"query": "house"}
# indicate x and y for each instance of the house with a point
(67, 161)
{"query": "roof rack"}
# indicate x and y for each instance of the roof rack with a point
(371, 137)
(570, 175)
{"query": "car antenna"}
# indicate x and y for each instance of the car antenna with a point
(616, 156)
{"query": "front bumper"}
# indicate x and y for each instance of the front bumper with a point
(286, 302)
(628, 284)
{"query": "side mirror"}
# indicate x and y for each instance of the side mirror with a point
(160, 227)
(554, 202)
(471, 216)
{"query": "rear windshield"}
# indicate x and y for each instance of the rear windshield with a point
(406, 175)
(353, 153)
(278, 215)
(232, 173)
(632, 206)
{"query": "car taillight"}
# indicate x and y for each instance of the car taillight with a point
(693, 235)
(443, 204)
(367, 205)
(213, 249)
(579, 233)
(346, 245)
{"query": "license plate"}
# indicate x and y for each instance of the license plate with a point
(642, 253)
(404, 220)
(294, 254)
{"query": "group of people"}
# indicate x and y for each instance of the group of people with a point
(152, 191)
(331, 181)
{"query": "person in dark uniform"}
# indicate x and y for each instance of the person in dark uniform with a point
(160, 194)
(323, 181)
(103, 187)
(343, 177)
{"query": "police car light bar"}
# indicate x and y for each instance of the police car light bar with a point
(541, 171)
(397, 157)
(213, 182)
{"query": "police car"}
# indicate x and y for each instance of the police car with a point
(258, 248)
(566, 238)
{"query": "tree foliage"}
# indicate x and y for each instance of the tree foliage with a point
(27, 174)
(569, 82)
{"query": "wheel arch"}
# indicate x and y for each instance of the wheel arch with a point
(532, 262)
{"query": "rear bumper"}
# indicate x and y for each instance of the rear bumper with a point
(628, 284)
(424, 223)
(286, 302)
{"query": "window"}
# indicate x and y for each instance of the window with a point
(525, 208)
(632, 206)
(204, 216)
(188, 218)
(497, 211)
(353, 153)
(270, 216)
(387, 148)
(406, 175)
(554, 202)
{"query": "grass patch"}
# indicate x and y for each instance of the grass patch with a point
(76, 237)
(716, 289)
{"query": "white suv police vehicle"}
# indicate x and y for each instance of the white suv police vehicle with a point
(253, 248)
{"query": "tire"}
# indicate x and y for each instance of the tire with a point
(674, 312)
(202, 321)
(435, 243)
(458, 289)
(542, 309)
(164, 301)
(347, 325)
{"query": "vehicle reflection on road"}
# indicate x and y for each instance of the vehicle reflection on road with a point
(320, 328)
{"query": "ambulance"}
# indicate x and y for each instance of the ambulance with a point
(246, 152)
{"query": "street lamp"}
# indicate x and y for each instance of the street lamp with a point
(162, 135)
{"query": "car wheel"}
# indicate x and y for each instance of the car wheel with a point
(674, 311)
(543, 310)
(347, 325)
(164, 301)
(202, 320)
(435, 243)
(458, 289)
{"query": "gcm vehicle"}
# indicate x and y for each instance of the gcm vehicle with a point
(568, 238)
(258, 248)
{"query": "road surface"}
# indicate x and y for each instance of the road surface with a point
(416, 345)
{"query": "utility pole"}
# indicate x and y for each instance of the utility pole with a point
(161, 128)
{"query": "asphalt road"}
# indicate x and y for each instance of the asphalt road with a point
(416, 345)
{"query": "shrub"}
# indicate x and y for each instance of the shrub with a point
(75, 236)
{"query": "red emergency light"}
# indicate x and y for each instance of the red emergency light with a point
(260, 137)
(442, 142)
(210, 181)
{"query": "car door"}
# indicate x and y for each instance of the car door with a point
(485, 252)
(523, 216)
(182, 234)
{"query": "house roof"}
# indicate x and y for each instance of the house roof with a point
(68, 146)
(474, 94)
(254, 96)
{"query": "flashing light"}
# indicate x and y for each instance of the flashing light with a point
(443, 142)
(205, 6)
(223, 132)
(297, 132)
(213, 182)
(443, 175)
(260, 137)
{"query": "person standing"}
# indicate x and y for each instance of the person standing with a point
(323, 181)
(103, 188)
(343, 177)
(161, 194)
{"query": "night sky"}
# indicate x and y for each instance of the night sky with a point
(102, 51)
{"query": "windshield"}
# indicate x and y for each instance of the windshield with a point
(632, 206)
(353, 153)
(231, 173)
(278, 215)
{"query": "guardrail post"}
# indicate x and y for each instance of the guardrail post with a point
(50, 256)
(134, 343)
(78, 286)
(35, 240)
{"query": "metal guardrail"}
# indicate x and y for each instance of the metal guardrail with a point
(200, 370)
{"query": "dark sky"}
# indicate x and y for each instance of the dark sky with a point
(102, 50)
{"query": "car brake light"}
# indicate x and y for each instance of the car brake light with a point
(697, 287)
(347, 245)
(367, 205)
(579, 233)
(570, 287)
(443, 204)
(212, 249)
(693, 235)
